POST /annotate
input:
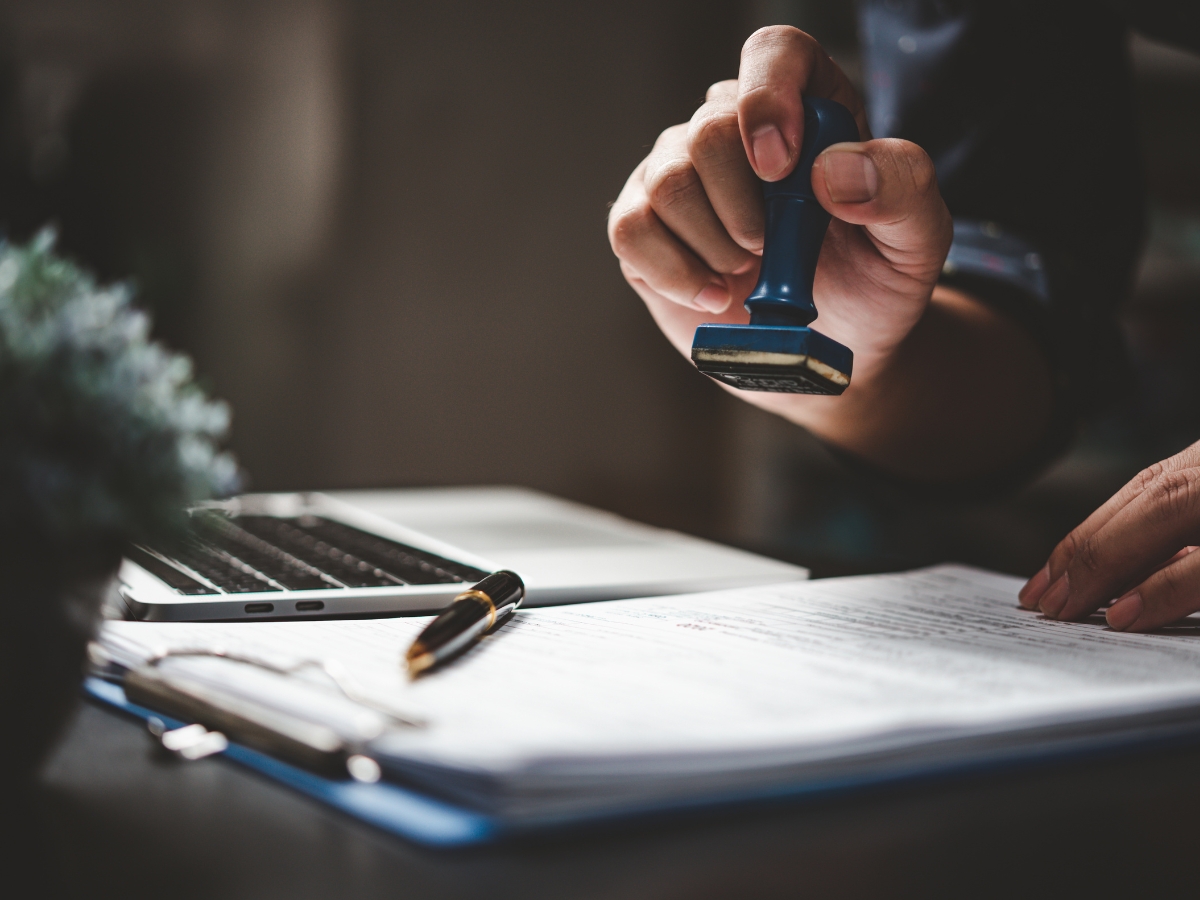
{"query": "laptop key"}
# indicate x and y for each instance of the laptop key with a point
(336, 561)
(413, 565)
(167, 573)
(252, 553)
(230, 574)
(274, 562)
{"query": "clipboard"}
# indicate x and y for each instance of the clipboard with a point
(390, 807)
(435, 823)
(429, 801)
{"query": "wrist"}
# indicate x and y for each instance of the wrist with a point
(878, 332)
(964, 393)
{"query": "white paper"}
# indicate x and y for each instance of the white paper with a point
(798, 671)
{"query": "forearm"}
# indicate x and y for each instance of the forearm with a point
(966, 393)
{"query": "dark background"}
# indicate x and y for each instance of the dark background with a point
(379, 230)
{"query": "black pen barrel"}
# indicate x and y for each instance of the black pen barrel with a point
(471, 614)
(505, 589)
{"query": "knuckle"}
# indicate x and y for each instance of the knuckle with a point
(720, 90)
(712, 133)
(1145, 478)
(1173, 585)
(668, 138)
(1174, 493)
(628, 226)
(671, 184)
(764, 97)
(1089, 557)
(1062, 555)
(784, 38)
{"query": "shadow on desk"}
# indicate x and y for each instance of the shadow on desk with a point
(118, 821)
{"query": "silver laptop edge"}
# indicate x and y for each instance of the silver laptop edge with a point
(567, 553)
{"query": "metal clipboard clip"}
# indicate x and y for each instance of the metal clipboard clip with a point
(295, 724)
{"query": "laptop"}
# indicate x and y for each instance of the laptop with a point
(345, 553)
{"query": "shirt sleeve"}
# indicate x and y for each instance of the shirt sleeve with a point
(1026, 108)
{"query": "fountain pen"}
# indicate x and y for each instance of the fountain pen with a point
(465, 620)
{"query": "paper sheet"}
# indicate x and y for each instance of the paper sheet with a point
(807, 664)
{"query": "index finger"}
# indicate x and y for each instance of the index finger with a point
(1066, 550)
(1162, 518)
(779, 66)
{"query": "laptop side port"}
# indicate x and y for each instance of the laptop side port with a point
(310, 605)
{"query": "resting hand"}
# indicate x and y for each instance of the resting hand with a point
(688, 226)
(1136, 547)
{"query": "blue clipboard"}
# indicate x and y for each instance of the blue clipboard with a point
(390, 807)
(432, 822)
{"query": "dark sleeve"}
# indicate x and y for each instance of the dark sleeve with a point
(1026, 109)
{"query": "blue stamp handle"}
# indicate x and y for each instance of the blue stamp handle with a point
(796, 223)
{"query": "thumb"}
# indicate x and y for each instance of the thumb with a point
(890, 187)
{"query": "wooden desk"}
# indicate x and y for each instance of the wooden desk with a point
(121, 822)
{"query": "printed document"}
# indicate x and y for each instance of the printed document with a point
(635, 701)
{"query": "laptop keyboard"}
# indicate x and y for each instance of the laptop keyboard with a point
(251, 554)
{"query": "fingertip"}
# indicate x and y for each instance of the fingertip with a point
(1122, 615)
(1054, 601)
(714, 298)
(850, 175)
(1034, 588)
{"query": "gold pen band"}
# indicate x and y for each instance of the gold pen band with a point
(480, 595)
(469, 616)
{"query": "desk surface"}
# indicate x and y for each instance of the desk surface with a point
(128, 824)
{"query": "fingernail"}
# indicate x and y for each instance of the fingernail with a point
(1029, 595)
(850, 177)
(770, 152)
(1124, 612)
(1056, 597)
(713, 299)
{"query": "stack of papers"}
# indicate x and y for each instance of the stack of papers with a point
(638, 704)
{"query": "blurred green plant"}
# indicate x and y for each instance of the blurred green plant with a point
(104, 435)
